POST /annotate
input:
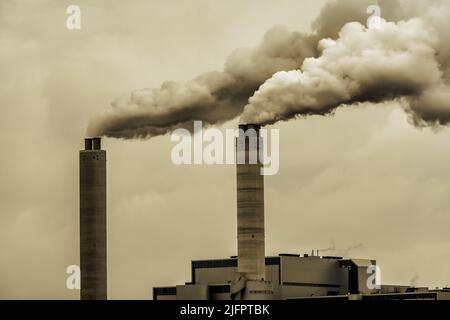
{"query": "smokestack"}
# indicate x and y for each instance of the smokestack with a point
(93, 221)
(250, 203)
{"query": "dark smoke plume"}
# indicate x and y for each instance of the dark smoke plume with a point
(342, 62)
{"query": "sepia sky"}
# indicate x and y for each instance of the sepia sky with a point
(364, 179)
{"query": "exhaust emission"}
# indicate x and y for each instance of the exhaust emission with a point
(342, 62)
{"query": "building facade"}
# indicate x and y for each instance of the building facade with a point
(296, 277)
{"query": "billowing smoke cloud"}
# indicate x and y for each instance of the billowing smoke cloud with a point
(341, 62)
(212, 97)
(406, 60)
(397, 60)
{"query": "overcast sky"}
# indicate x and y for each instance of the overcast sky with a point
(364, 176)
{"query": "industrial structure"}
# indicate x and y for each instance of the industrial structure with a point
(296, 277)
(250, 279)
(93, 221)
(253, 276)
(248, 276)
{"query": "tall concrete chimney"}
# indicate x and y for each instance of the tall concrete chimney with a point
(250, 203)
(93, 221)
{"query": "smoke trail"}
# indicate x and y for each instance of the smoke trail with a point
(346, 251)
(299, 74)
(414, 280)
(212, 97)
(331, 248)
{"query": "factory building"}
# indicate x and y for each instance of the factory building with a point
(253, 276)
(289, 275)
(295, 277)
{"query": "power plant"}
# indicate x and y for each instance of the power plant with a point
(248, 276)
(93, 231)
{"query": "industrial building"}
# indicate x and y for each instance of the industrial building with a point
(253, 276)
(295, 277)
(248, 276)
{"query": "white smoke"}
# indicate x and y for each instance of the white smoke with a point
(398, 60)
(406, 60)
(291, 74)
(213, 97)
